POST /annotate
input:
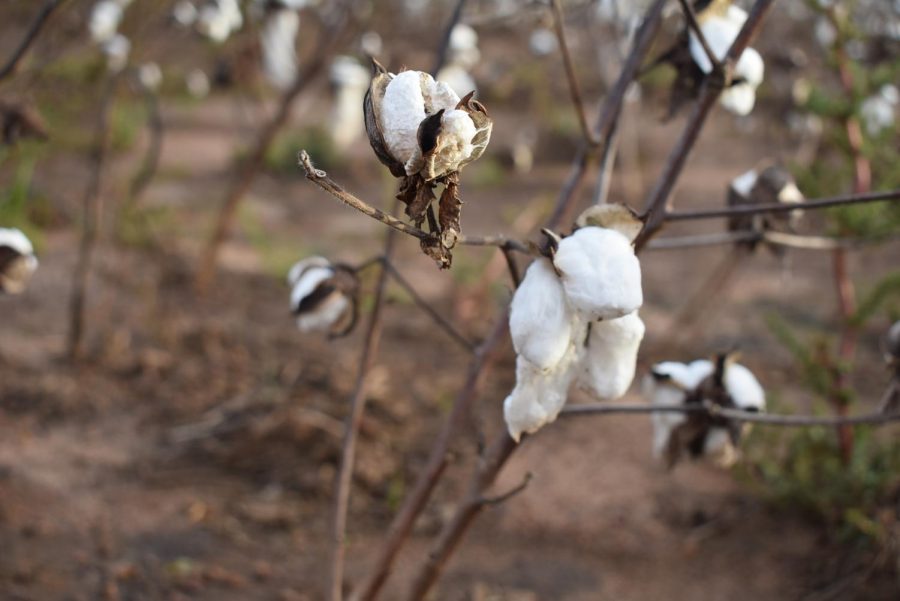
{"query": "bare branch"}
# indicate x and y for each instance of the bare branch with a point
(782, 239)
(770, 419)
(816, 203)
(321, 179)
(502, 498)
(435, 315)
(654, 211)
(357, 408)
(149, 166)
(512, 266)
(92, 210)
(30, 36)
(694, 241)
(571, 77)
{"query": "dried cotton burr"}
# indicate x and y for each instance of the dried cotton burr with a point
(323, 296)
(425, 134)
(17, 261)
(767, 184)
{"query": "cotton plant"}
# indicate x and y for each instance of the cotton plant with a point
(723, 383)
(17, 261)
(425, 134)
(323, 296)
(573, 319)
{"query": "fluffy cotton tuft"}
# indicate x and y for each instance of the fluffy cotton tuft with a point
(316, 301)
(219, 19)
(600, 273)
(17, 261)
(104, 20)
(401, 113)
(540, 319)
(670, 393)
(744, 389)
(610, 358)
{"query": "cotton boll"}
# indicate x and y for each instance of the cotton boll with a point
(458, 79)
(117, 49)
(720, 34)
(17, 261)
(300, 267)
(318, 300)
(744, 183)
(150, 76)
(540, 320)
(750, 67)
(668, 384)
(539, 395)
(350, 80)
(744, 388)
(104, 20)
(184, 13)
(600, 273)
(610, 358)
(877, 111)
(454, 144)
(328, 313)
(542, 42)
(219, 19)
(718, 446)
(402, 110)
(739, 99)
(278, 39)
(197, 83)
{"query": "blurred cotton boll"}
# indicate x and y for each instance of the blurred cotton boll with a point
(323, 296)
(278, 39)
(17, 261)
(184, 13)
(878, 112)
(218, 19)
(370, 43)
(150, 76)
(458, 78)
(350, 80)
(116, 49)
(197, 83)
(542, 42)
(104, 20)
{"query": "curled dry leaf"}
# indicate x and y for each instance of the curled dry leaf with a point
(616, 217)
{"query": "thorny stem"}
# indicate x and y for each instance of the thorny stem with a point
(251, 165)
(769, 419)
(817, 203)
(655, 205)
(92, 210)
(344, 479)
(574, 87)
(435, 315)
(30, 36)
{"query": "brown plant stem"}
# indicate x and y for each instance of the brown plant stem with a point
(249, 168)
(31, 35)
(657, 199)
(344, 479)
(571, 77)
(92, 211)
(813, 203)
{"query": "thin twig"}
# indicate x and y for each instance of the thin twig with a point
(655, 205)
(321, 179)
(607, 162)
(691, 17)
(816, 203)
(574, 87)
(344, 479)
(150, 165)
(435, 315)
(328, 40)
(502, 498)
(30, 36)
(782, 239)
(511, 265)
(769, 419)
(92, 210)
(441, 57)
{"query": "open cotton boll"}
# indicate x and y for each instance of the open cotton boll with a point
(326, 314)
(307, 282)
(540, 320)
(739, 99)
(720, 33)
(104, 20)
(17, 261)
(219, 19)
(298, 268)
(610, 358)
(185, 13)
(539, 395)
(750, 67)
(744, 389)
(150, 76)
(402, 110)
(117, 49)
(278, 39)
(600, 273)
(667, 384)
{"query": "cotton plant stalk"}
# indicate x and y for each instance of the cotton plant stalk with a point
(323, 296)
(425, 134)
(574, 318)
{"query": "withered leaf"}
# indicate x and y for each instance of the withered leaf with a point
(20, 121)
(432, 247)
(449, 211)
(417, 195)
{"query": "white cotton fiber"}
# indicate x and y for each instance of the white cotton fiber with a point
(609, 361)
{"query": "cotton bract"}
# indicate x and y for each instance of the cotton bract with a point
(17, 261)
(600, 273)
(610, 356)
